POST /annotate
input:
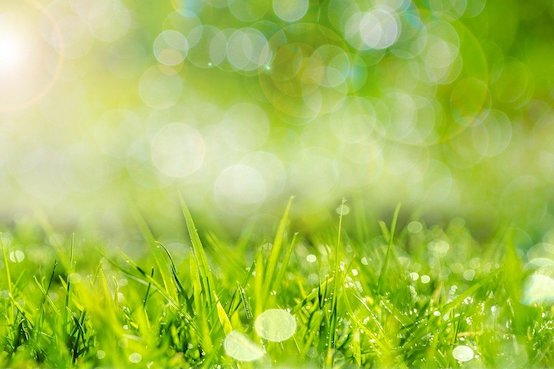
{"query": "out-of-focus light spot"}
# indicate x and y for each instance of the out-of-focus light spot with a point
(394, 4)
(160, 89)
(85, 178)
(440, 56)
(439, 248)
(311, 258)
(468, 98)
(376, 29)
(240, 189)
(187, 6)
(17, 256)
(493, 135)
(354, 121)
(314, 174)
(538, 289)
(76, 41)
(541, 255)
(177, 150)
(334, 65)
(135, 358)
(357, 76)
(61, 108)
(245, 127)
(439, 189)
(407, 118)
(453, 8)
(107, 20)
(463, 353)
(200, 39)
(367, 159)
(338, 12)
(247, 49)
(184, 21)
(170, 47)
(303, 82)
(75, 278)
(11, 52)
(379, 28)
(474, 8)
(275, 325)
(41, 173)
(469, 274)
(425, 279)
(272, 169)
(126, 59)
(290, 10)
(218, 3)
(415, 227)
(343, 209)
(512, 83)
(240, 347)
(248, 10)
(138, 163)
(439, 53)
(411, 40)
(218, 48)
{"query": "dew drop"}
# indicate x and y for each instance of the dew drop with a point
(135, 358)
(343, 209)
(17, 256)
(311, 258)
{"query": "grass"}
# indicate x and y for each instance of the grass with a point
(404, 298)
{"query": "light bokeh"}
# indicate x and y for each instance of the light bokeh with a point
(112, 105)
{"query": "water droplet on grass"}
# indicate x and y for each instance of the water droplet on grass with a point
(239, 347)
(463, 353)
(135, 358)
(17, 256)
(415, 227)
(469, 274)
(343, 209)
(311, 258)
(275, 325)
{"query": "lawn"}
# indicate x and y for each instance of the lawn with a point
(149, 149)
(417, 296)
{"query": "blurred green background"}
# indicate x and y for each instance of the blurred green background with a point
(112, 107)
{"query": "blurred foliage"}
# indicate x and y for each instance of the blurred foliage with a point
(110, 108)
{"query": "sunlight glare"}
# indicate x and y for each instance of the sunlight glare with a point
(11, 51)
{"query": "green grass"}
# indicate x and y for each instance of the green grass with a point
(403, 298)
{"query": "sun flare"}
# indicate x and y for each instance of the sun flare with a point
(12, 52)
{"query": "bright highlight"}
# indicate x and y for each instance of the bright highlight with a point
(11, 51)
